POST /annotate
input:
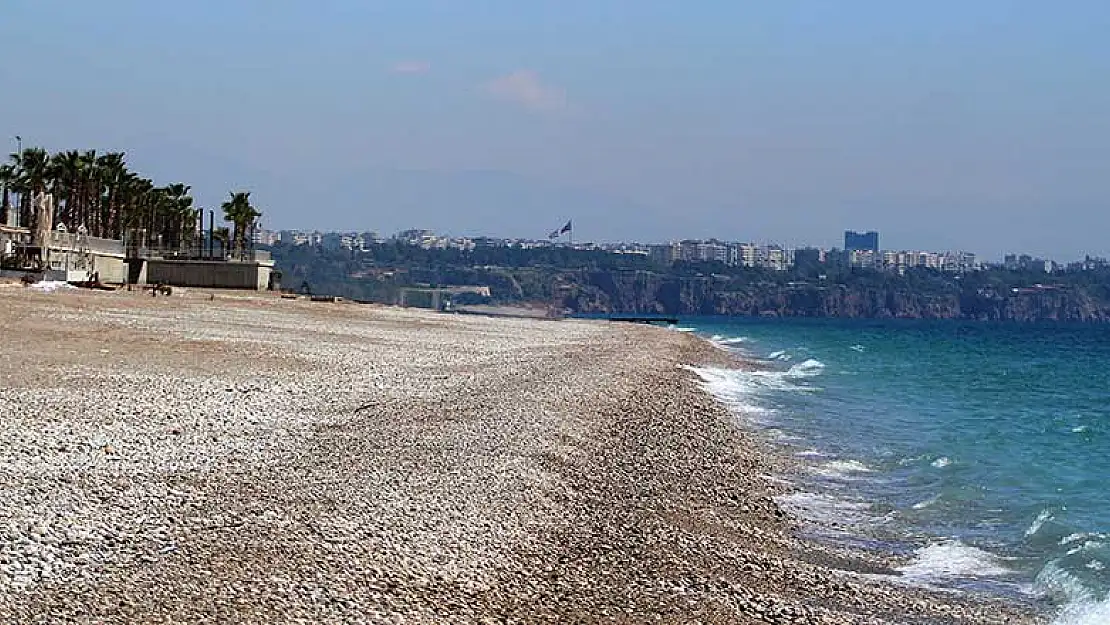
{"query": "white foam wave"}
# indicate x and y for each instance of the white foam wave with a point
(842, 469)
(779, 355)
(725, 342)
(740, 390)
(1079, 429)
(952, 558)
(682, 329)
(1084, 613)
(731, 387)
(921, 505)
(1084, 536)
(810, 453)
(1087, 544)
(941, 462)
(1080, 605)
(858, 348)
(806, 369)
(1042, 518)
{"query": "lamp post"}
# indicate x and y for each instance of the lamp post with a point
(19, 144)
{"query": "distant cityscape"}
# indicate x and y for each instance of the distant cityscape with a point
(861, 250)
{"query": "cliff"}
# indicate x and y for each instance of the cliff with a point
(647, 292)
(599, 282)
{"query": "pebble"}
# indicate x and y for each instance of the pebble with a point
(261, 460)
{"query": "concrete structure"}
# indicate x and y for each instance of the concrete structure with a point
(81, 258)
(226, 274)
(436, 293)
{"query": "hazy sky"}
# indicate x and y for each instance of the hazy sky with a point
(981, 125)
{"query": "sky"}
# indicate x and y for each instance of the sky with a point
(982, 126)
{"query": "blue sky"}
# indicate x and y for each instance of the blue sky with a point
(975, 125)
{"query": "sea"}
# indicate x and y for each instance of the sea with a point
(979, 451)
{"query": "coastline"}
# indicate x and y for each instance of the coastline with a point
(260, 460)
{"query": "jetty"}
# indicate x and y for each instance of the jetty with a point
(647, 319)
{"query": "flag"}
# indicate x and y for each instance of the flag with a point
(565, 229)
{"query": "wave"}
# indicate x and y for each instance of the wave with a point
(1080, 605)
(682, 329)
(1038, 523)
(842, 469)
(727, 343)
(921, 505)
(1084, 536)
(730, 387)
(952, 558)
(806, 369)
(941, 462)
(779, 355)
(741, 389)
(858, 348)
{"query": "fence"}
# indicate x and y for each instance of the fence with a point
(138, 245)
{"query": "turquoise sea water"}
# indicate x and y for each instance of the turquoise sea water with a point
(981, 451)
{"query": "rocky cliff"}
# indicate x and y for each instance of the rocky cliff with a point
(648, 292)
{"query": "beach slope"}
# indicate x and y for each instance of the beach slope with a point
(257, 460)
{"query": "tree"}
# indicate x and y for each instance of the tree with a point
(112, 180)
(102, 196)
(241, 214)
(180, 216)
(223, 235)
(33, 177)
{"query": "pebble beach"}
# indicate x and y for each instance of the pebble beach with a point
(241, 458)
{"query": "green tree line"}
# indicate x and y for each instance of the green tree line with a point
(102, 196)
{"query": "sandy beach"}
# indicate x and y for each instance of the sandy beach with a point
(235, 458)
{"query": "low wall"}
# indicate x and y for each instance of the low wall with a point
(209, 274)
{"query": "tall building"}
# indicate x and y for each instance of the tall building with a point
(861, 241)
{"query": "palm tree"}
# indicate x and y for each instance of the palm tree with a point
(65, 170)
(113, 178)
(241, 214)
(223, 235)
(33, 171)
(101, 196)
(181, 216)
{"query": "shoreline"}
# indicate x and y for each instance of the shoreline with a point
(846, 546)
(261, 460)
(854, 545)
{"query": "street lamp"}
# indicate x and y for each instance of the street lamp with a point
(19, 144)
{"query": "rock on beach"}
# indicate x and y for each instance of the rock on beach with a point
(248, 459)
